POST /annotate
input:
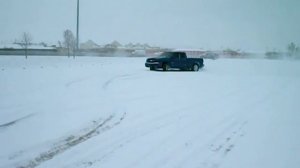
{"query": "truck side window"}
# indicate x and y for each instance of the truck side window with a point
(180, 55)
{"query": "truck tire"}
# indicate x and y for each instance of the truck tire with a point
(166, 67)
(195, 67)
(152, 68)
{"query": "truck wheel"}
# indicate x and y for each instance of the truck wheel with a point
(152, 68)
(195, 67)
(166, 67)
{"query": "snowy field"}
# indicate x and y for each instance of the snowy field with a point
(114, 113)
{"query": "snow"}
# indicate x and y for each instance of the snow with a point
(113, 112)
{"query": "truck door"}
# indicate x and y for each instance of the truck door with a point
(182, 61)
(175, 61)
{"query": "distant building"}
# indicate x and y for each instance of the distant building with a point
(116, 44)
(33, 49)
(89, 45)
(39, 46)
(192, 52)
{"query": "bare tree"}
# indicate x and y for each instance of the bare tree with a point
(25, 42)
(69, 42)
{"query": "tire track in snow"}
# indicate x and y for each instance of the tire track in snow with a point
(173, 119)
(232, 123)
(224, 145)
(123, 141)
(228, 121)
(221, 135)
(8, 124)
(110, 81)
(214, 148)
(157, 123)
(107, 83)
(69, 84)
(227, 140)
(71, 141)
(161, 122)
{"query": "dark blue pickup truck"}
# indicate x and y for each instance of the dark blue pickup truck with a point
(174, 60)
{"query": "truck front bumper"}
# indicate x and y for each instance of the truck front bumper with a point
(153, 65)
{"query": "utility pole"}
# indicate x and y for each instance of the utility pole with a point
(77, 31)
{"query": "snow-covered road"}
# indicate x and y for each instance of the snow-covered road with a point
(113, 112)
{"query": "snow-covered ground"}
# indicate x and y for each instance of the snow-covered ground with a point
(113, 112)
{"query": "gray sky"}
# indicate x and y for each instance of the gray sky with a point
(208, 24)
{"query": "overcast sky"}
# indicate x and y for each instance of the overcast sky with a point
(207, 24)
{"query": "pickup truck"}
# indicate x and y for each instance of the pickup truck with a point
(174, 60)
